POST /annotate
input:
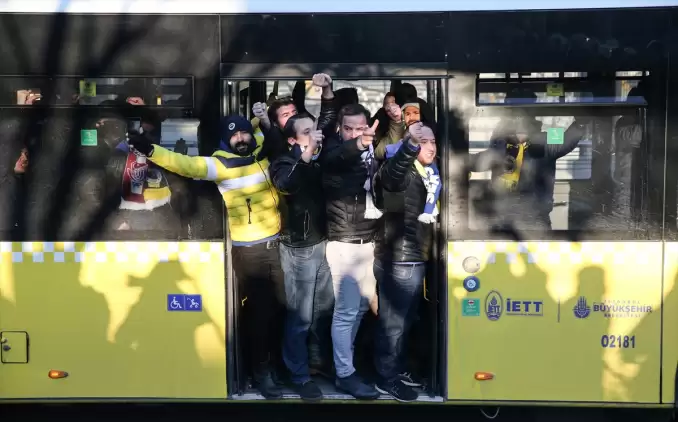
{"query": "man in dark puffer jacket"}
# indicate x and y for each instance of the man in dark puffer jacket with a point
(347, 162)
(407, 187)
(308, 283)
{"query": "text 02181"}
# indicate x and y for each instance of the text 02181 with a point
(622, 342)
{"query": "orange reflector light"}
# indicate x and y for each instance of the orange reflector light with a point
(57, 374)
(484, 376)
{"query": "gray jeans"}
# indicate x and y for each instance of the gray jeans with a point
(354, 288)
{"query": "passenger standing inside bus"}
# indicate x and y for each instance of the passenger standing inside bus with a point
(348, 162)
(148, 194)
(400, 118)
(272, 122)
(308, 284)
(392, 133)
(380, 115)
(240, 169)
(407, 93)
(523, 165)
(407, 187)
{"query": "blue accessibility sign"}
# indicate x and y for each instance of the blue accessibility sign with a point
(184, 303)
(471, 283)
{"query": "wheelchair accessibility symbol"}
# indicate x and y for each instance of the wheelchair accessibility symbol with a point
(184, 303)
(471, 283)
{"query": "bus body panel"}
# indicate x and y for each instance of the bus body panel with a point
(670, 323)
(548, 318)
(105, 314)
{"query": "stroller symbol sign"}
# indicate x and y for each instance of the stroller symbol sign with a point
(184, 303)
(194, 303)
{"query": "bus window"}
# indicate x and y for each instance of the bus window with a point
(303, 91)
(541, 166)
(371, 93)
(552, 88)
(168, 92)
(101, 189)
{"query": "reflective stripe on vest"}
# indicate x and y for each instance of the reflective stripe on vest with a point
(250, 198)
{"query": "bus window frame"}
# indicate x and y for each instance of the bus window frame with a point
(466, 88)
(570, 84)
(45, 82)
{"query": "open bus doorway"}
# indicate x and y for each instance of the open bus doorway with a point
(240, 95)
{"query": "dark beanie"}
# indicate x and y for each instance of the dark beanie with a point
(232, 124)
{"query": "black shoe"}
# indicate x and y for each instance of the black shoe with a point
(264, 383)
(407, 379)
(354, 386)
(309, 391)
(399, 391)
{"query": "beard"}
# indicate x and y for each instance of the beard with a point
(242, 147)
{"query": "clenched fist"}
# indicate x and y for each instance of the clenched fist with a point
(367, 138)
(135, 101)
(419, 133)
(259, 111)
(324, 82)
(321, 80)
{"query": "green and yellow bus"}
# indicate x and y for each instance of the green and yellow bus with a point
(583, 314)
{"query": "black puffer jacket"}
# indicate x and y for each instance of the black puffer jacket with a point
(344, 176)
(303, 207)
(401, 195)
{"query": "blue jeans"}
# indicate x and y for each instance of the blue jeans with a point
(354, 287)
(400, 287)
(308, 291)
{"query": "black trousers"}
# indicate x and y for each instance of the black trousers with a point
(261, 290)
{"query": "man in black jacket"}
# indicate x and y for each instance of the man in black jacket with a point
(347, 162)
(272, 122)
(407, 188)
(308, 286)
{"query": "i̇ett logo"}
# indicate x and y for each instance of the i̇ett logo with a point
(493, 305)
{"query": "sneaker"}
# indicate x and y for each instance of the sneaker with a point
(398, 390)
(309, 391)
(266, 386)
(354, 386)
(406, 378)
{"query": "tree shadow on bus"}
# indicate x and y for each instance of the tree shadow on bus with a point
(582, 328)
(511, 277)
(90, 62)
(541, 347)
(165, 335)
(640, 367)
(576, 359)
(64, 318)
